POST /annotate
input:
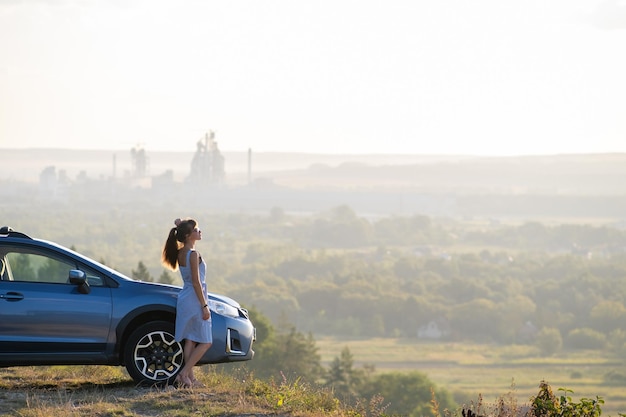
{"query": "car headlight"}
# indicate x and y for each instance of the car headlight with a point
(223, 308)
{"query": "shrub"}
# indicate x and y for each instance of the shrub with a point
(546, 404)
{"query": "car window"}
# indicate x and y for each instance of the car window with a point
(31, 265)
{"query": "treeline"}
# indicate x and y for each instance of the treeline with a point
(482, 297)
(339, 273)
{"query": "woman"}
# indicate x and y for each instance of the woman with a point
(193, 317)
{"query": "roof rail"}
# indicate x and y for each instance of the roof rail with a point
(8, 231)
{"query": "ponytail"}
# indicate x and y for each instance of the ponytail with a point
(169, 258)
(175, 240)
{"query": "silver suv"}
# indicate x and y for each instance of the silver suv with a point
(58, 307)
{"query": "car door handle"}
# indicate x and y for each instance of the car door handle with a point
(12, 296)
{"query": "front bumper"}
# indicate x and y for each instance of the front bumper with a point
(233, 338)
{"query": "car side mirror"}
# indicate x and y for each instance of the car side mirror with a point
(79, 278)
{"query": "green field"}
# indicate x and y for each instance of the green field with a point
(468, 370)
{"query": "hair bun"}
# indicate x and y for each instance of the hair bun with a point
(177, 222)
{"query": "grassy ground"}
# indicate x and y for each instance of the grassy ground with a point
(467, 370)
(81, 391)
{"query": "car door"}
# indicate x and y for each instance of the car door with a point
(43, 317)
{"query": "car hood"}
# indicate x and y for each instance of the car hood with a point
(176, 289)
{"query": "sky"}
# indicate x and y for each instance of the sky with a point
(479, 77)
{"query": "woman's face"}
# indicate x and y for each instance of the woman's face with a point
(196, 234)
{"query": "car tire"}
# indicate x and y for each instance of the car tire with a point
(151, 355)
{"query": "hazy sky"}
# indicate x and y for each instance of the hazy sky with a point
(485, 77)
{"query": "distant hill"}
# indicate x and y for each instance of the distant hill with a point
(561, 186)
(545, 175)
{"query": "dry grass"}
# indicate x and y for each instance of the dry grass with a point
(107, 391)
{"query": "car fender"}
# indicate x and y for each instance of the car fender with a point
(138, 316)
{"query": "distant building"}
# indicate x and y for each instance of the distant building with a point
(53, 185)
(207, 165)
(434, 329)
(139, 161)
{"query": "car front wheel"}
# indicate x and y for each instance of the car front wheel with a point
(151, 354)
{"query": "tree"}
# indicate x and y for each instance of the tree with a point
(264, 346)
(167, 278)
(342, 228)
(142, 273)
(408, 394)
(478, 319)
(608, 315)
(549, 341)
(283, 353)
(296, 355)
(343, 378)
(586, 338)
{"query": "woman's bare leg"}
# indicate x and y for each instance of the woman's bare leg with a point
(192, 353)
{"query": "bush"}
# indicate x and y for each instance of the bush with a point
(546, 404)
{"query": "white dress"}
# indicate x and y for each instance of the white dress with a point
(189, 322)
